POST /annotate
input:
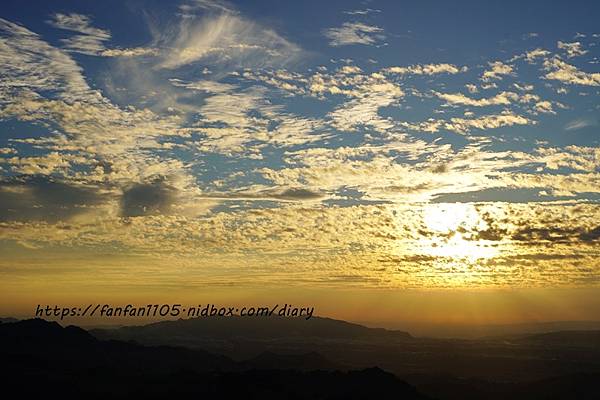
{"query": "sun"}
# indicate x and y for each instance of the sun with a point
(447, 217)
(449, 224)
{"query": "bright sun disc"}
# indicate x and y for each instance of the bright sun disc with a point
(445, 218)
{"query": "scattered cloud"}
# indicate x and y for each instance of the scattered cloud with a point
(426, 69)
(503, 98)
(561, 71)
(533, 55)
(572, 49)
(544, 107)
(497, 71)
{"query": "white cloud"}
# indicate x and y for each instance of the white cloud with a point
(572, 49)
(533, 55)
(225, 39)
(130, 52)
(355, 33)
(464, 126)
(363, 111)
(472, 88)
(189, 9)
(503, 98)
(497, 71)
(365, 11)
(31, 64)
(579, 123)
(544, 107)
(426, 69)
(90, 40)
(567, 73)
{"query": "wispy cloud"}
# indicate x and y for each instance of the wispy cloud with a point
(579, 123)
(190, 9)
(355, 33)
(364, 11)
(91, 40)
(225, 39)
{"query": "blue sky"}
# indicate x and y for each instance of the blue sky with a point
(387, 142)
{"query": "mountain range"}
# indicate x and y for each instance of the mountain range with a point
(289, 358)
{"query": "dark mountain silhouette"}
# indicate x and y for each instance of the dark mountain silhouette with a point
(43, 340)
(40, 358)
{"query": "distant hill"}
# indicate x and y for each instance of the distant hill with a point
(290, 342)
(243, 337)
(270, 328)
(583, 339)
(479, 331)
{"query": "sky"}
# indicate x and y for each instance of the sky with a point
(379, 160)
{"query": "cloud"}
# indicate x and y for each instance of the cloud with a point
(577, 158)
(227, 40)
(190, 9)
(313, 162)
(260, 193)
(48, 164)
(579, 123)
(497, 71)
(39, 198)
(464, 125)
(472, 88)
(148, 199)
(130, 52)
(363, 110)
(231, 119)
(32, 64)
(572, 49)
(90, 40)
(503, 98)
(354, 33)
(567, 73)
(46, 87)
(544, 107)
(531, 56)
(365, 11)
(426, 69)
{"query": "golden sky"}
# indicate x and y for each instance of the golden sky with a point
(379, 171)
